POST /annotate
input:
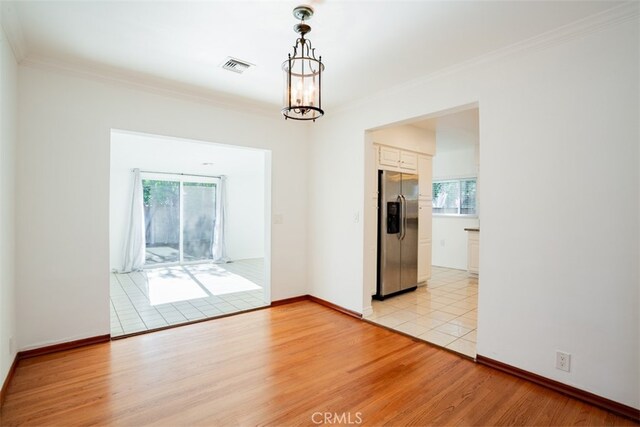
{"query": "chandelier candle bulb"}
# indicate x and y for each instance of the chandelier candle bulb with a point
(302, 74)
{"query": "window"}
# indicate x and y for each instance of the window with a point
(179, 218)
(455, 197)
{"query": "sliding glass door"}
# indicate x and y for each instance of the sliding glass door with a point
(180, 214)
(199, 209)
(162, 221)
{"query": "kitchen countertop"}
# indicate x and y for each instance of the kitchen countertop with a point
(472, 229)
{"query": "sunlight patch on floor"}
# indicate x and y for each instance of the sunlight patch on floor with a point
(172, 284)
(219, 281)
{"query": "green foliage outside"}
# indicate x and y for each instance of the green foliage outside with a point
(165, 193)
(160, 193)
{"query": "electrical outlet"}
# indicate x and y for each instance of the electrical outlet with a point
(442, 243)
(563, 361)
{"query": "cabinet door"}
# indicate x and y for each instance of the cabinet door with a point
(424, 241)
(425, 173)
(424, 260)
(408, 161)
(389, 156)
(473, 263)
(424, 220)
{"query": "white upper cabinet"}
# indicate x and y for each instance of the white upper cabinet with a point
(408, 161)
(388, 156)
(396, 159)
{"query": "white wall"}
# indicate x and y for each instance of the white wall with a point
(450, 241)
(456, 157)
(8, 141)
(65, 123)
(243, 167)
(460, 163)
(559, 272)
(245, 214)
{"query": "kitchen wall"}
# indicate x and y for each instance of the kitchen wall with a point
(8, 143)
(244, 168)
(450, 241)
(457, 157)
(558, 130)
(62, 207)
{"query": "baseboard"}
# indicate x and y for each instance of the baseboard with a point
(601, 402)
(63, 346)
(317, 301)
(367, 311)
(7, 380)
(289, 300)
(335, 307)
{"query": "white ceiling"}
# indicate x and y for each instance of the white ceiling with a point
(366, 45)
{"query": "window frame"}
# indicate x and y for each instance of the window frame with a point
(459, 180)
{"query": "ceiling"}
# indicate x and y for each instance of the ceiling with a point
(366, 46)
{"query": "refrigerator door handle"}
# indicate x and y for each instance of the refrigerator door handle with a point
(404, 217)
(400, 219)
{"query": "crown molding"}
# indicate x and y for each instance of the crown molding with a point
(153, 85)
(617, 15)
(13, 30)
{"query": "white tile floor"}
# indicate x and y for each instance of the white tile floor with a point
(444, 312)
(164, 296)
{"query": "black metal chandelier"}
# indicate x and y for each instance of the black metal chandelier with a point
(302, 74)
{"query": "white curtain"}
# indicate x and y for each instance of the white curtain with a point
(134, 250)
(219, 249)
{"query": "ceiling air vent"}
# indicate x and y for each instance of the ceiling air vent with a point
(236, 65)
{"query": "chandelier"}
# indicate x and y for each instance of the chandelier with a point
(302, 74)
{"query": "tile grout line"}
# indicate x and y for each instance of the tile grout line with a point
(116, 314)
(462, 285)
(134, 307)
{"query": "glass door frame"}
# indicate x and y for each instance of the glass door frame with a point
(181, 179)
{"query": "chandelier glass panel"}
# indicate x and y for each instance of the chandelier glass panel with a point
(302, 98)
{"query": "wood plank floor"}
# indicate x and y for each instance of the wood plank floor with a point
(278, 366)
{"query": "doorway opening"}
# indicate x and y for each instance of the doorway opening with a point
(187, 231)
(443, 151)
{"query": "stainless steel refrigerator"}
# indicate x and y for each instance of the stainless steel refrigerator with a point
(397, 233)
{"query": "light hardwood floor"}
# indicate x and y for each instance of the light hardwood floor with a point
(278, 366)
